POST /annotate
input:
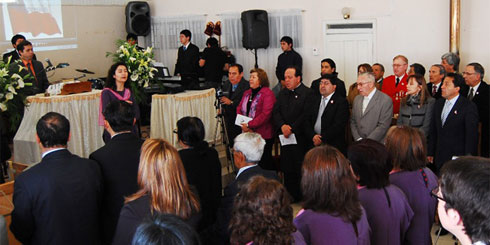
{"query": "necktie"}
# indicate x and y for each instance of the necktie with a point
(318, 123)
(184, 47)
(471, 94)
(397, 81)
(445, 111)
(31, 70)
(434, 90)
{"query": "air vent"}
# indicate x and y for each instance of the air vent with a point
(350, 26)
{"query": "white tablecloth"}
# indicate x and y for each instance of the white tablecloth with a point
(167, 109)
(82, 110)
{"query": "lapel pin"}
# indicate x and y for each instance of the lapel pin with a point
(331, 102)
(296, 96)
(456, 112)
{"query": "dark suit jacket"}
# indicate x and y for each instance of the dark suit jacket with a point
(203, 170)
(340, 89)
(40, 84)
(57, 201)
(290, 109)
(230, 110)
(118, 161)
(482, 102)
(458, 136)
(187, 61)
(438, 94)
(334, 120)
(231, 190)
(15, 56)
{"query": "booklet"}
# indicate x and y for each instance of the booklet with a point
(242, 119)
(288, 141)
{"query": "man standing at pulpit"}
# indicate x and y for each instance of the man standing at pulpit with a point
(40, 81)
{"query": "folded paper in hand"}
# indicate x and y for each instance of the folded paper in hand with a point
(242, 119)
(288, 141)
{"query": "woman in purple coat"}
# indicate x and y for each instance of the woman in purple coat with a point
(387, 208)
(406, 148)
(257, 103)
(332, 213)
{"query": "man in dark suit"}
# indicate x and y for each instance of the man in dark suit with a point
(33, 67)
(57, 201)
(372, 111)
(248, 150)
(328, 67)
(328, 116)
(234, 87)
(436, 76)
(16, 39)
(454, 126)
(478, 94)
(288, 58)
(118, 161)
(289, 115)
(187, 66)
(379, 72)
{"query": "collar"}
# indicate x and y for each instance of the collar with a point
(437, 85)
(453, 100)
(475, 88)
(53, 150)
(401, 78)
(370, 95)
(124, 132)
(243, 169)
(380, 80)
(328, 97)
(26, 62)
(187, 45)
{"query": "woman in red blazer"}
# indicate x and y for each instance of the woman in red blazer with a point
(257, 103)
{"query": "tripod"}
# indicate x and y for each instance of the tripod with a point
(220, 121)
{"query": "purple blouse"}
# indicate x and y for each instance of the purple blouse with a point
(417, 188)
(323, 228)
(388, 214)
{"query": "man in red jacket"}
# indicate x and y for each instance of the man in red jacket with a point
(395, 85)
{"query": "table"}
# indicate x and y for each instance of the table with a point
(82, 110)
(167, 109)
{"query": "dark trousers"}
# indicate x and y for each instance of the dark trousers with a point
(266, 162)
(292, 182)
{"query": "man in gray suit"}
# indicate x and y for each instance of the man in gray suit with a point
(372, 110)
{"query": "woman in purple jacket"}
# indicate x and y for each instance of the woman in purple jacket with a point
(257, 103)
(406, 148)
(332, 213)
(387, 208)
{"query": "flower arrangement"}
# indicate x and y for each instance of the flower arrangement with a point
(12, 96)
(139, 62)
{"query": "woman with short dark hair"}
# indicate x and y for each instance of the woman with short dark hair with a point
(406, 147)
(262, 214)
(387, 208)
(202, 167)
(332, 213)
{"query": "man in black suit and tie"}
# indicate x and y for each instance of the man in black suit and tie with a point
(33, 67)
(16, 39)
(379, 72)
(478, 93)
(248, 150)
(118, 161)
(187, 66)
(289, 114)
(328, 116)
(235, 87)
(454, 126)
(436, 76)
(57, 201)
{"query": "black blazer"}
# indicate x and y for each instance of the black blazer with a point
(57, 201)
(187, 61)
(40, 84)
(203, 170)
(118, 161)
(438, 94)
(334, 121)
(231, 190)
(458, 136)
(482, 101)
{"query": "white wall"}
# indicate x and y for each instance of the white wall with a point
(418, 29)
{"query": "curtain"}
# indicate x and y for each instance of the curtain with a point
(165, 32)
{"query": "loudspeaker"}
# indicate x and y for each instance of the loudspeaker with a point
(138, 18)
(255, 25)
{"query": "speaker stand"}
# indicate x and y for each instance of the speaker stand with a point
(256, 65)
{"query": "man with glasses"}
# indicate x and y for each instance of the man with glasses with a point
(436, 75)
(478, 94)
(395, 85)
(372, 110)
(463, 196)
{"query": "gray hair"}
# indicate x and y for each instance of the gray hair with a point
(251, 145)
(442, 70)
(452, 59)
(369, 76)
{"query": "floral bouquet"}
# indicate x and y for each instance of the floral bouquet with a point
(139, 62)
(12, 96)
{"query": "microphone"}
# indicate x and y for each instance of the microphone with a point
(50, 65)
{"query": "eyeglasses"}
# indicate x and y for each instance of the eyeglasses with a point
(361, 84)
(434, 192)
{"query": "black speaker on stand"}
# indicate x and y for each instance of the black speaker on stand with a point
(138, 19)
(255, 25)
